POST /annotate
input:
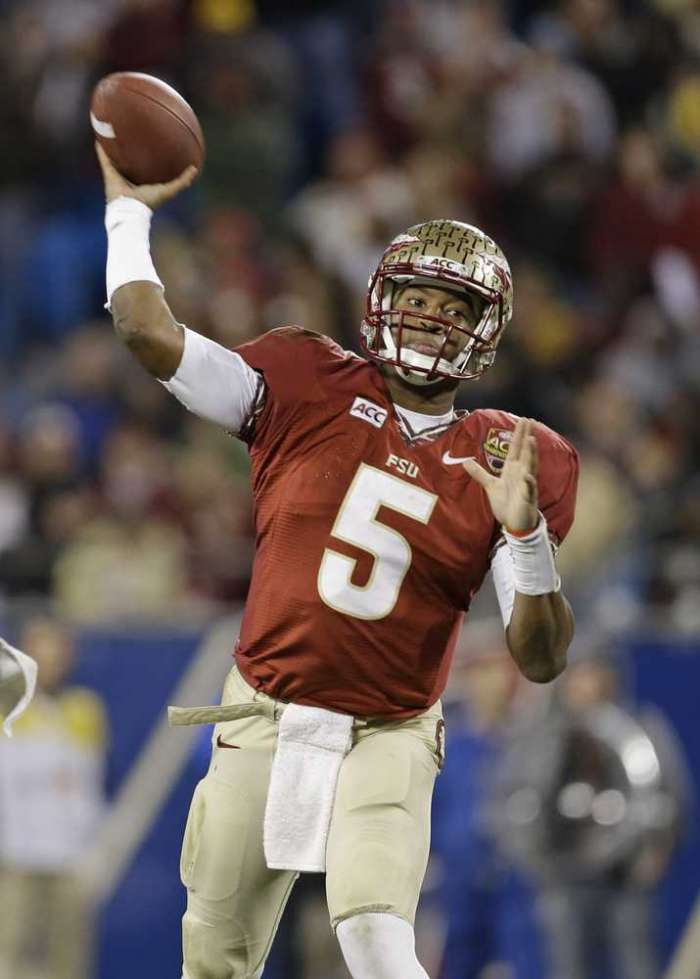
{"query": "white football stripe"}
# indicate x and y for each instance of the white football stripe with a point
(102, 128)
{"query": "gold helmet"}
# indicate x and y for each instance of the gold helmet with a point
(449, 255)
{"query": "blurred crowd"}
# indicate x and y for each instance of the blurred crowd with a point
(556, 818)
(568, 129)
(52, 804)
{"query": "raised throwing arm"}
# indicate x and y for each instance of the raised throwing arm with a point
(211, 381)
(142, 318)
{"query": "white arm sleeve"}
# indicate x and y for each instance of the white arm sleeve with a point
(503, 574)
(215, 383)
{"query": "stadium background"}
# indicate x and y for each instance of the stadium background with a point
(569, 130)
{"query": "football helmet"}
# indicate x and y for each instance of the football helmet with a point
(448, 255)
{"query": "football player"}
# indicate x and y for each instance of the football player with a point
(379, 509)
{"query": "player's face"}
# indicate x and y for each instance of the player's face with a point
(424, 335)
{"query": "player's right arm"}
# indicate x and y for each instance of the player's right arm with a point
(142, 318)
(209, 380)
(143, 321)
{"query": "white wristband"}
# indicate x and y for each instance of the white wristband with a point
(533, 561)
(128, 224)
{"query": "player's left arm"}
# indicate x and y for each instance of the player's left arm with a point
(539, 634)
(541, 624)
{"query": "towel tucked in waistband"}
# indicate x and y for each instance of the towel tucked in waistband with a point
(311, 745)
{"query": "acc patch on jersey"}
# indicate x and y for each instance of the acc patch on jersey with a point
(496, 447)
(369, 412)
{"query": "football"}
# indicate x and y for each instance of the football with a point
(147, 129)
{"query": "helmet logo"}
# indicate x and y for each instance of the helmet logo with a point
(502, 274)
(440, 263)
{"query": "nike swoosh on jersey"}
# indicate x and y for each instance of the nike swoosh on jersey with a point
(450, 460)
(224, 744)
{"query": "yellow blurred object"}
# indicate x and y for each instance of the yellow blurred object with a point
(684, 113)
(606, 511)
(224, 16)
(77, 713)
(113, 573)
(551, 336)
(51, 807)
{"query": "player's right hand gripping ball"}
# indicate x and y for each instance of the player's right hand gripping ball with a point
(146, 128)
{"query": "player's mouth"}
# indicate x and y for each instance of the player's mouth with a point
(423, 346)
(429, 343)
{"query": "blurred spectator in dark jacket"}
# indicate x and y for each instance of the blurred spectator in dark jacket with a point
(592, 803)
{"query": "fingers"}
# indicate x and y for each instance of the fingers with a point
(530, 488)
(104, 160)
(186, 178)
(523, 447)
(109, 171)
(478, 473)
(153, 195)
(519, 436)
(115, 184)
(529, 455)
(156, 194)
(173, 187)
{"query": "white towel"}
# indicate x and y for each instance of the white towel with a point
(311, 745)
(18, 676)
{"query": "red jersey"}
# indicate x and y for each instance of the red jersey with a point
(370, 540)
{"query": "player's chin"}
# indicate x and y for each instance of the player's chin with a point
(434, 383)
(429, 384)
(433, 379)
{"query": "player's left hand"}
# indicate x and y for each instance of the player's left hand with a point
(513, 494)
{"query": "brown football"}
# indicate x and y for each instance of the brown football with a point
(146, 128)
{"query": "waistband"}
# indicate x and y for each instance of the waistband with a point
(260, 705)
(180, 716)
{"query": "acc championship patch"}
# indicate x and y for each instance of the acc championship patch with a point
(496, 447)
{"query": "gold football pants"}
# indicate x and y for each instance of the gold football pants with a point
(377, 847)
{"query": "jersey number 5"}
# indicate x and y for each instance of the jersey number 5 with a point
(357, 524)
